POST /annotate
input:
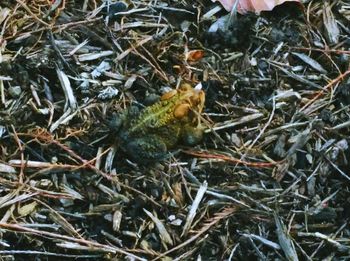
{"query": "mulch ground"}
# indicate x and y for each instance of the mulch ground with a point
(269, 181)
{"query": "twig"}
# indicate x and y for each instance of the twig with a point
(329, 85)
(230, 159)
(21, 173)
(21, 229)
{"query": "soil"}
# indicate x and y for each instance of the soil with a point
(270, 180)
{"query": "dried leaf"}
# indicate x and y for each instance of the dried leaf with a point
(194, 55)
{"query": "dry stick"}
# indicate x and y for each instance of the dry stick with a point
(43, 165)
(329, 85)
(32, 253)
(41, 192)
(192, 213)
(21, 174)
(113, 249)
(321, 50)
(2, 88)
(231, 159)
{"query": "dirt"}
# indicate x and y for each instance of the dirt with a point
(275, 151)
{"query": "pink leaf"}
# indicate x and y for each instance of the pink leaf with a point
(255, 6)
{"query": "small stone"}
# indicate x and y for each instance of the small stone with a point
(15, 91)
(176, 222)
